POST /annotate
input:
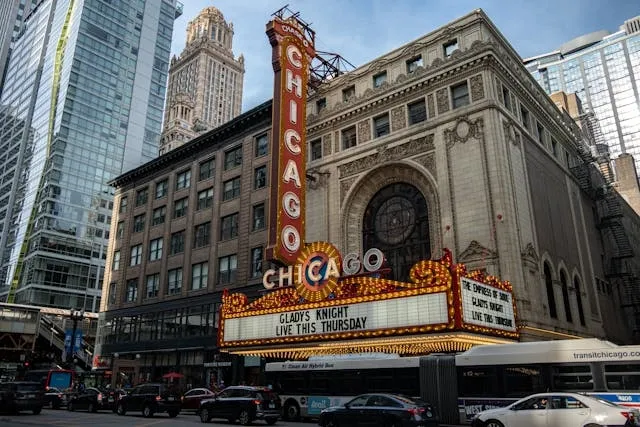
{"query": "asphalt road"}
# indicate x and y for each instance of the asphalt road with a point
(63, 418)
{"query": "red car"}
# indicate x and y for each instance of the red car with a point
(191, 399)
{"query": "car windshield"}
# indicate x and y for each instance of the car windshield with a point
(29, 387)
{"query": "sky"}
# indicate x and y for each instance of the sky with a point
(362, 30)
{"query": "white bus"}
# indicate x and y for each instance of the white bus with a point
(461, 385)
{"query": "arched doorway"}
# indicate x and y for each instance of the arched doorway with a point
(397, 223)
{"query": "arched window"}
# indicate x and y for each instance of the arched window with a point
(565, 296)
(396, 222)
(576, 284)
(551, 298)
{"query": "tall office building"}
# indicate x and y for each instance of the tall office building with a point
(604, 71)
(11, 14)
(205, 82)
(82, 103)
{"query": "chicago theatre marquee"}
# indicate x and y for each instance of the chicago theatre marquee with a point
(419, 202)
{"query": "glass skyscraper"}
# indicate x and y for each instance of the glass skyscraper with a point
(604, 71)
(81, 104)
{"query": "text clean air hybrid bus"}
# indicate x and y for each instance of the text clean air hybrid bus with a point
(462, 385)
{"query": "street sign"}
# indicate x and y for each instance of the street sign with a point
(77, 342)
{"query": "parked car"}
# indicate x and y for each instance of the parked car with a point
(192, 398)
(113, 396)
(380, 410)
(150, 399)
(55, 398)
(91, 399)
(558, 409)
(242, 403)
(19, 396)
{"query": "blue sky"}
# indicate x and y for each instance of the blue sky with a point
(361, 30)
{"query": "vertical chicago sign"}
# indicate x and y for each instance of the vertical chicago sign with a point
(293, 50)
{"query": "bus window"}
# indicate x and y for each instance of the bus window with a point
(323, 382)
(477, 381)
(352, 382)
(520, 381)
(622, 377)
(381, 381)
(406, 382)
(293, 382)
(572, 377)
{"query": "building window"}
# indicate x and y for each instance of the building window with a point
(155, 249)
(506, 97)
(262, 145)
(159, 215)
(460, 95)
(132, 290)
(202, 235)
(256, 261)
(120, 230)
(177, 243)
(153, 285)
(576, 284)
(321, 104)
(379, 79)
(227, 267)
(205, 198)
(554, 147)
(183, 180)
(414, 63)
(123, 204)
(348, 137)
(524, 117)
(551, 298)
(449, 47)
(138, 223)
(199, 275)
(162, 188)
(231, 189)
(229, 226)
(233, 158)
(258, 217)
(174, 281)
(180, 207)
(115, 263)
(207, 169)
(381, 125)
(565, 296)
(112, 292)
(136, 255)
(540, 130)
(348, 93)
(417, 112)
(142, 196)
(316, 149)
(260, 177)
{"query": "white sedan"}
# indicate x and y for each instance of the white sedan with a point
(558, 410)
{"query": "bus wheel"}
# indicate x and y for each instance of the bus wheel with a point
(493, 423)
(291, 411)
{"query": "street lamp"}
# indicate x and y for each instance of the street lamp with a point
(113, 374)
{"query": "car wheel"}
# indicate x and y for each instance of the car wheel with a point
(70, 407)
(493, 423)
(331, 423)
(120, 410)
(244, 417)
(36, 411)
(291, 412)
(147, 412)
(271, 421)
(231, 420)
(173, 414)
(204, 415)
(92, 407)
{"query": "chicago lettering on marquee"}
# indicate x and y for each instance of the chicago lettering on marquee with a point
(293, 50)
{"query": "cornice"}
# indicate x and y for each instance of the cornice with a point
(208, 46)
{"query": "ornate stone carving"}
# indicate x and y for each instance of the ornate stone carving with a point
(398, 118)
(364, 131)
(401, 78)
(317, 179)
(477, 87)
(337, 142)
(326, 144)
(510, 132)
(429, 162)
(442, 98)
(397, 152)
(476, 252)
(464, 130)
(431, 106)
(530, 255)
(345, 185)
(499, 89)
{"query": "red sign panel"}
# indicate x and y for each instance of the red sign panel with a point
(292, 54)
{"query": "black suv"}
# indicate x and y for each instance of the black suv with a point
(21, 396)
(242, 403)
(150, 399)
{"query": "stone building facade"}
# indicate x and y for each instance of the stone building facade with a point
(205, 81)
